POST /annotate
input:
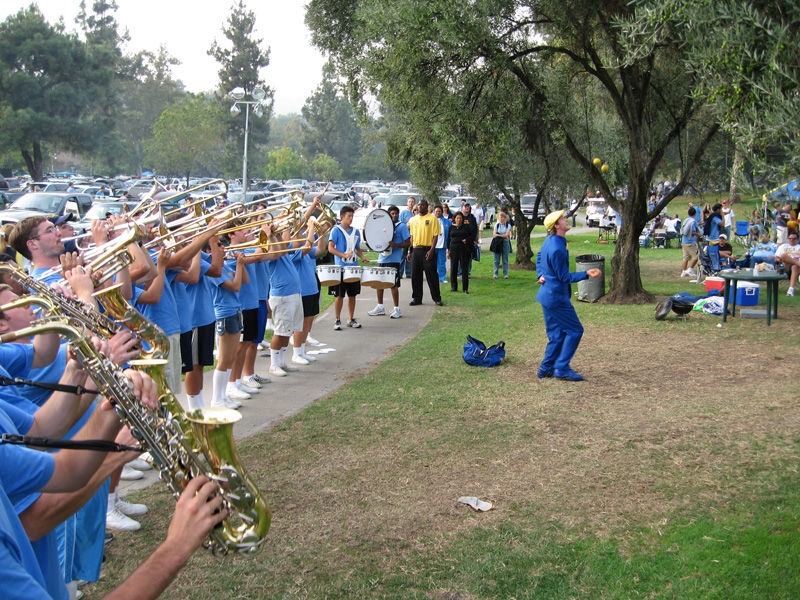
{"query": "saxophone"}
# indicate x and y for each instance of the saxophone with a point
(209, 451)
(54, 302)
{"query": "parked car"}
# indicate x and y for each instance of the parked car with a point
(101, 210)
(47, 204)
(337, 205)
(527, 204)
(142, 186)
(50, 186)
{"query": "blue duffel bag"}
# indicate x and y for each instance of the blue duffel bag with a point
(477, 354)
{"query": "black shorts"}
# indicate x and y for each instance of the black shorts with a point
(249, 324)
(310, 305)
(197, 347)
(345, 289)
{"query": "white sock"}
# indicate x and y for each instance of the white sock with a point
(303, 349)
(275, 358)
(112, 500)
(298, 350)
(380, 306)
(219, 382)
(282, 357)
(195, 401)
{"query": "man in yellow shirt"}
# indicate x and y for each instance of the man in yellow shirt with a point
(425, 231)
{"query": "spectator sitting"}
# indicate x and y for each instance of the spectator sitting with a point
(725, 251)
(789, 255)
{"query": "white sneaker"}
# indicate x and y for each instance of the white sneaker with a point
(118, 522)
(790, 291)
(691, 272)
(261, 347)
(227, 403)
(378, 311)
(140, 465)
(289, 368)
(299, 360)
(685, 274)
(249, 389)
(353, 323)
(130, 474)
(308, 358)
(313, 342)
(395, 313)
(234, 393)
(337, 325)
(255, 379)
(130, 509)
(277, 372)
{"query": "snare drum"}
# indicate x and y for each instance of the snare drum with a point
(388, 278)
(375, 227)
(351, 273)
(371, 276)
(329, 275)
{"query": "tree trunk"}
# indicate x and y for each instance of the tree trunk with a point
(34, 163)
(524, 253)
(626, 281)
(737, 166)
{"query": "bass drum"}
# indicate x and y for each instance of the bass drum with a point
(375, 226)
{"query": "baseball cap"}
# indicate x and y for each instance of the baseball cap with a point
(550, 220)
(60, 220)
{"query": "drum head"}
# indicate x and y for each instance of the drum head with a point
(376, 227)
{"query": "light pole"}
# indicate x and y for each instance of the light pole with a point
(238, 94)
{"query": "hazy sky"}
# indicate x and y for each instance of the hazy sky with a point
(188, 29)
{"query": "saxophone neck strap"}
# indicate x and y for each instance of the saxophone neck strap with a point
(56, 387)
(43, 442)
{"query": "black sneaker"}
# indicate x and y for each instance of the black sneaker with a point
(353, 323)
(337, 325)
(415, 303)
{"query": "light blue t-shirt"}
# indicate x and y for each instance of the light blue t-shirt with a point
(339, 240)
(284, 280)
(401, 234)
(690, 239)
(226, 302)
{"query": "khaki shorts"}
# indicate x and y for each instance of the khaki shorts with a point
(287, 314)
(689, 251)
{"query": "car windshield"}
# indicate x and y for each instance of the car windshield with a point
(43, 202)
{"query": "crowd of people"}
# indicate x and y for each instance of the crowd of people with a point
(210, 288)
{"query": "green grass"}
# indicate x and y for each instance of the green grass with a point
(670, 473)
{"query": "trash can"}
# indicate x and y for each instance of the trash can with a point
(592, 289)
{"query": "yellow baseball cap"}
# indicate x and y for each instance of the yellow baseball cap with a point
(550, 220)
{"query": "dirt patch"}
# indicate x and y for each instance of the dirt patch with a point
(666, 422)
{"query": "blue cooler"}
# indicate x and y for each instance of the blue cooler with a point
(746, 294)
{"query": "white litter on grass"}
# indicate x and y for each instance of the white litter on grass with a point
(476, 503)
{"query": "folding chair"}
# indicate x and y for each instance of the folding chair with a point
(742, 233)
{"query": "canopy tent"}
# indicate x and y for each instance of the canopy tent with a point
(788, 192)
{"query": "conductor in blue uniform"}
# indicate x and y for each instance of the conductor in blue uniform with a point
(564, 330)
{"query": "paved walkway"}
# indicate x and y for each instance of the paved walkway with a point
(357, 351)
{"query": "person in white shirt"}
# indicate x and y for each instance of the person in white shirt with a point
(789, 255)
(727, 217)
(479, 215)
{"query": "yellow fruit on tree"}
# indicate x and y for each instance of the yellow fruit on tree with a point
(604, 168)
(596, 161)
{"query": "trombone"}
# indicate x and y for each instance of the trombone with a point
(148, 201)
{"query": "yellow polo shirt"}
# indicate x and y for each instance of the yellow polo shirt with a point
(423, 229)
